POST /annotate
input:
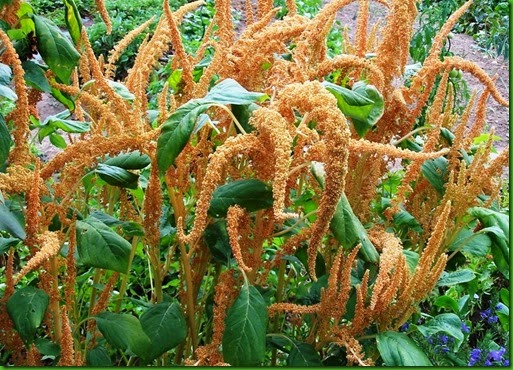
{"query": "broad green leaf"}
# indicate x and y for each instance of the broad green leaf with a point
(9, 223)
(345, 226)
(7, 243)
(26, 308)
(447, 323)
(158, 322)
(55, 49)
(218, 242)
(7, 93)
(455, 277)
(73, 20)
(497, 225)
(5, 74)
(243, 113)
(63, 98)
(58, 141)
(99, 246)
(303, 354)
(60, 121)
(124, 331)
(121, 90)
(35, 76)
(446, 301)
(245, 329)
(363, 104)
(178, 128)
(397, 349)
(47, 347)
(129, 161)
(435, 171)
(117, 176)
(129, 228)
(98, 356)
(320, 263)
(5, 141)
(251, 194)
(478, 244)
(412, 259)
(504, 294)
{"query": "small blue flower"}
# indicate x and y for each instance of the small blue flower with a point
(488, 363)
(404, 327)
(497, 355)
(464, 328)
(485, 314)
(445, 349)
(505, 363)
(493, 319)
(475, 356)
(444, 339)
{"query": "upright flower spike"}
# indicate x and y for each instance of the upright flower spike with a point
(102, 9)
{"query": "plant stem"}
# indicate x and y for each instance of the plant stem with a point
(279, 295)
(54, 305)
(124, 282)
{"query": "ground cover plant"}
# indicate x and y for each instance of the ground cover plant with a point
(272, 202)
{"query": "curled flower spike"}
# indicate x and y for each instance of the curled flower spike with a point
(232, 220)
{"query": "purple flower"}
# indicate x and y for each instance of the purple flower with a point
(484, 314)
(497, 355)
(444, 339)
(488, 363)
(475, 356)
(464, 328)
(493, 319)
(505, 363)
(404, 327)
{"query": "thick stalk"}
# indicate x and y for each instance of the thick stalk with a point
(124, 282)
(279, 296)
(54, 305)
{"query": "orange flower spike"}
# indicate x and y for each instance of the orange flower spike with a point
(20, 115)
(67, 350)
(100, 6)
(232, 220)
(361, 30)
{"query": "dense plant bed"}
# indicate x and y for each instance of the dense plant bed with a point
(249, 199)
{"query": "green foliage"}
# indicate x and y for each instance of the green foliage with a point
(26, 308)
(246, 327)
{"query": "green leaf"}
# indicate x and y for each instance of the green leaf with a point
(26, 308)
(243, 113)
(117, 176)
(251, 194)
(245, 329)
(7, 93)
(129, 161)
(99, 246)
(397, 349)
(35, 76)
(158, 322)
(60, 121)
(55, 49)
(5, 141)
(435, 171)
(9, 223)
(5, 74)
(73, 20)
(124, 331)
(447, 323)
(455, 277)
(218, 242)
(477, 244)
(345, 226)
(412, 259)
(7, 243)
(497, 225)
(445, 301)
(363, 104)
(47, 347)
(178, 128)
(58, 140)
(121, 90)
(303, 354)
(98, 356)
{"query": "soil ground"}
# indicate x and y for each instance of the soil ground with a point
(461, 45)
